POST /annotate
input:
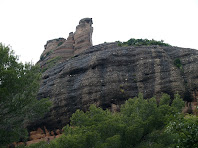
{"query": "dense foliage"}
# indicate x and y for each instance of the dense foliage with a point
(141, 123)
(19, 84)
(141, 42)
(185, 131)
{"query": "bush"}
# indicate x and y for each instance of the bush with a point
(186, 131)
(50, 63)
(41, 144)
(60, 43)
(42, 57)
(177, 63)
(141, 42)
(112, 142)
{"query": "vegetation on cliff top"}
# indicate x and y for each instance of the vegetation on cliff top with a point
(19, 84)
(141, 123)
(141, 42)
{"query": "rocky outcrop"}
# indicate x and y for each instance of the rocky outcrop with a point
(83, 35)
(107, 75)
(58, 50)
(77, 74)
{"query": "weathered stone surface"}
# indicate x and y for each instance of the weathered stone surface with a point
(58, 50)
(83, 35)
(107, 75)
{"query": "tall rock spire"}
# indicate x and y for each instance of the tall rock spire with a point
(58, 50)
(83, 35)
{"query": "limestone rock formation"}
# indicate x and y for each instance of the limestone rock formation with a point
(107, 75)
(58, 50)
(83, 35)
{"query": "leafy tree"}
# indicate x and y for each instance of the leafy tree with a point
(177, 103)
(19, 84)
(140, 123)
(112, 142)
(185, 130)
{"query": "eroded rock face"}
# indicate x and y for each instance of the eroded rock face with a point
(83, 35)
(107, 75)
(58, 50)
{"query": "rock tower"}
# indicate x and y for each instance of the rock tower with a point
(83, 35)
(61, 49)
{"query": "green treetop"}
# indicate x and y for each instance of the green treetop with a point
(19, 84)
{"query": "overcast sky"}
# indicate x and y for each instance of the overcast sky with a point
(26, 25)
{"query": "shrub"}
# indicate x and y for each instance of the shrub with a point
(177, 63)
(141, 42)
(41, 144)
(185, 129)
(42, 57)
(50, 63)
(60, 43)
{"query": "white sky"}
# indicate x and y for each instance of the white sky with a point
(26, 25)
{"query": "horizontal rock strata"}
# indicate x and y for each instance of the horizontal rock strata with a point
(107, 75)
(58, 50)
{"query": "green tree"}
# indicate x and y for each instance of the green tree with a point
(140, 123)
(19, 84)
(185, 130)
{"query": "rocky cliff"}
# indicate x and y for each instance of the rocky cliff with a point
(107, 75)
(58, 50)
